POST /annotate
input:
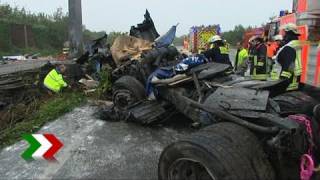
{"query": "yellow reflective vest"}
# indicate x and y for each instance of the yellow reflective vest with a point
(224, 50)
(54, 81)
(296, 68)
(258, 69)
(242, 56)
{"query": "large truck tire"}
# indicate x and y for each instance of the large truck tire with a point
(210, 155)
(295, 102)
(127, 91)
(247, 144)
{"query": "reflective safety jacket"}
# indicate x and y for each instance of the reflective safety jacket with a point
(241, 56)
(258, 61)
(54, 81)
(294, 70)
(218, 55)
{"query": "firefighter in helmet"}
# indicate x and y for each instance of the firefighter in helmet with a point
(288, 61)
(258, 59)
(219, 53)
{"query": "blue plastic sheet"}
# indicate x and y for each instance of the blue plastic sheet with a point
(166, 39)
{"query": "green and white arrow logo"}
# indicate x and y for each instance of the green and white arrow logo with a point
(42, 146)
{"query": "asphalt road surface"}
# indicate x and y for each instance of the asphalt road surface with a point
(93, 149)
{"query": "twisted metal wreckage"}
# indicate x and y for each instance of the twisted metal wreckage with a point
(264, 137)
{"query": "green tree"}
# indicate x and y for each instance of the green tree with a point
(235, 35)
(178, 41)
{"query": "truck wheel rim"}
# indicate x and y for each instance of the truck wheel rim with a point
(189, 169)
(123, 99)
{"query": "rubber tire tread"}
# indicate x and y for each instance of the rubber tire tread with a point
(296, 102)
(232, 164)
(247, 144)
(132, 84)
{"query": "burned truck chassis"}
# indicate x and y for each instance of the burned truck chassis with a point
(284, 141)
(250, 136)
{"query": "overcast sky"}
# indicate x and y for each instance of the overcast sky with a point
(119, 15)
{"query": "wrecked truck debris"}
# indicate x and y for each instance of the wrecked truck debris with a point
(167, 39)
(244, 131)
(146, 30)
(226, 106)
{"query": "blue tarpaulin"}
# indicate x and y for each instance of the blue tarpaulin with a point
(166, 39)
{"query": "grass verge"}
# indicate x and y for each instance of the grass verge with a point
(48, 110)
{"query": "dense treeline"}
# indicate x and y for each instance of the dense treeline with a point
(48, 32)
(45, 32)
(178, 41)
(236, 35)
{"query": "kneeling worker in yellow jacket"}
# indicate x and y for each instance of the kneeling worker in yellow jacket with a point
(54, 79)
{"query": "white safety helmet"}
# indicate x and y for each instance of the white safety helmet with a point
(215, 39)
(290, 27)
(278, 37)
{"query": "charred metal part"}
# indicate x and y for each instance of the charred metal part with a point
(295, 102)
(147, 113)
(209, 70)
(146, 30)
(212, 72)
(290, 144)
(131, 68)
(198, 87)
(316, 112)
(191, 108)
(156, 55)
(275, 142)
(176, 97)
(227, 116)
(123, 98)
(268, 119)
(239, 99)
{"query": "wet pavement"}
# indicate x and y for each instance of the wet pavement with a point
(93, 149)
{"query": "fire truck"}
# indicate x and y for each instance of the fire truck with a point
(199, 37)
(306, 14)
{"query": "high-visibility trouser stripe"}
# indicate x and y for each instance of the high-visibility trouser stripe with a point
(298, 64)
(294, 85)
(259, 77)
(260, 64)
(286, 74)
(256, 64)
(274, 75)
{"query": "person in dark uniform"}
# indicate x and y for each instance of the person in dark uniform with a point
(219, 53)
(288, 59)
(258, 59)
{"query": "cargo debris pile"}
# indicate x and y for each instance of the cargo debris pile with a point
(21, 92)
(17, 96)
